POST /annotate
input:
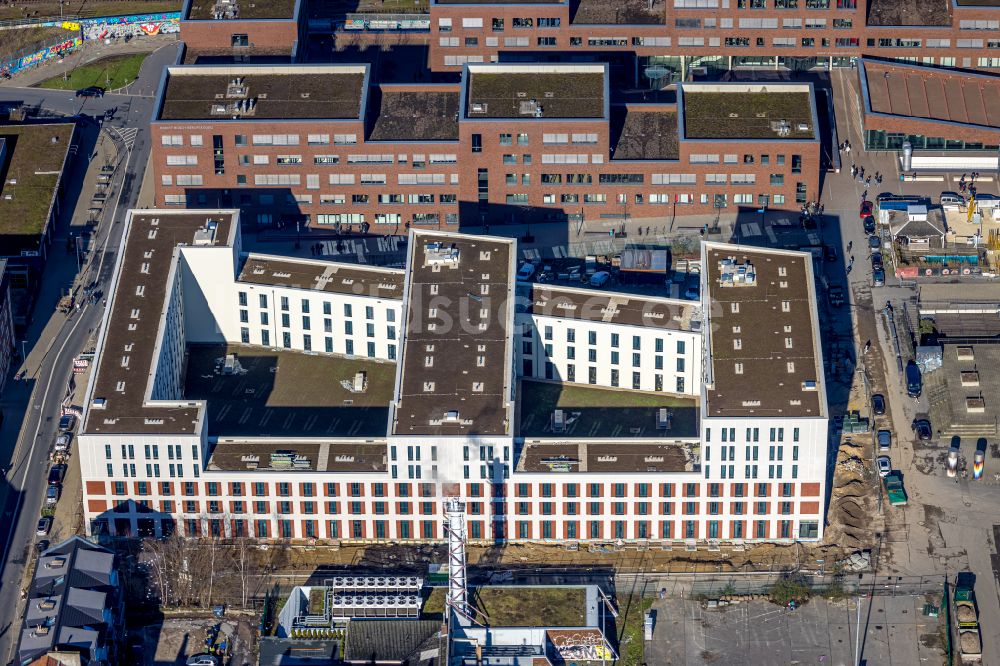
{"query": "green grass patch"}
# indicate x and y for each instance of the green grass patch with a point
(632, 610)
(532, 606)
(434, 604)
(108, 73)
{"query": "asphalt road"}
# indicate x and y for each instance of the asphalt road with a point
(53, 339)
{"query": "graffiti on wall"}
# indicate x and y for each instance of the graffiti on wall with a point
(49, 52)
(135, 25)
(106, 27)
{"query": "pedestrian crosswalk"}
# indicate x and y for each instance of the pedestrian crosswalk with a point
(126, 135)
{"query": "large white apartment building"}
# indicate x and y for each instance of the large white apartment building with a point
(284, 398)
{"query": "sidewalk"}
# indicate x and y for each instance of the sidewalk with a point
(89, 52)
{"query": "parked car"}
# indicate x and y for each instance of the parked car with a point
(878, 278)
(52, 495)
(986, 196)
(884, 438)
(874, 242)
(203, 660)
(41, 545)
(866, 209)
(869, 224)
(878, 404)
(43, 527)
(831, 253)
(877, 261)
(951, 200)
(599, 279)
(56, 474)
(692, 293)
(63, 440)
(525, 272)
(67, 422)
(92, 91)
(922, 428)
(884, 466)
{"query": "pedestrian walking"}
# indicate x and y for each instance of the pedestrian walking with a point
(868, 180)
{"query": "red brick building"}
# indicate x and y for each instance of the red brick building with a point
(685, 36)
(512, 143)
(951, 119)
(241, 29)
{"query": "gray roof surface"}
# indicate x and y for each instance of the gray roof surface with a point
(409, 642)
(151, 239)
(337, 278)
(750, 327)
(296, 652)
(77, 617)
(456, 356)
(605, 306)
(603, 457)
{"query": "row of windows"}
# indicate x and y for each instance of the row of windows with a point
(265, 528)
(753, 435)
(284, 303)
(568, 374)
(348, 348)
(407, 508)
(521, 490)
(573, 490)
(280, 489)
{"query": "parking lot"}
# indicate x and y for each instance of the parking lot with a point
(894, 631)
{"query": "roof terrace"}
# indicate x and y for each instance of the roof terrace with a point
(535, 91)
(748, 111)
(289, 394)
(263, 92)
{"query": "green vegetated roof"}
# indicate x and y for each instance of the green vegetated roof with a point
(31, 168)
(739, 114)
(532, 606)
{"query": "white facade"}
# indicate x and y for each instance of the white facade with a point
(742, 486)
(609, 355)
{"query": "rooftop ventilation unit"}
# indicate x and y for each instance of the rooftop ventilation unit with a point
(478, 107)
(735, 274)
(781, 127)
(451, 416)
(439, 254)
(225, 10)
(530, 107)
